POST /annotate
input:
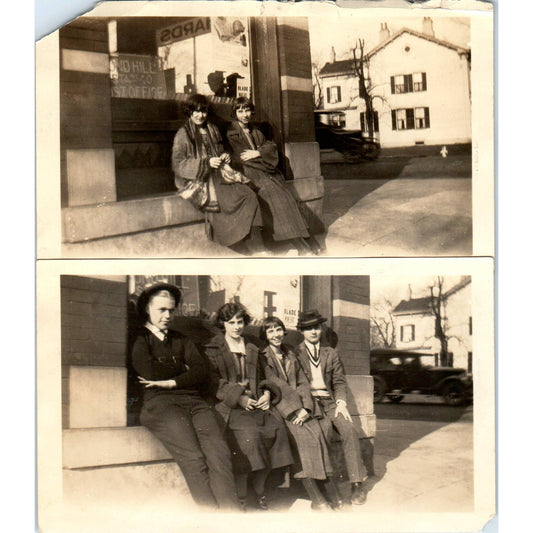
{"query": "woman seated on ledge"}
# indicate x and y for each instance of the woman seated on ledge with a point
(232, 209)
(258, 159)
(255, 433)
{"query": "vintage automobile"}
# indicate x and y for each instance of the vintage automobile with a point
(352, 144)
(398, 372)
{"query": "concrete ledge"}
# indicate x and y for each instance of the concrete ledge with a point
(362, 388)
(84, 223)
(117, 218)
(110, 446)
(365, 425)
(129, 485)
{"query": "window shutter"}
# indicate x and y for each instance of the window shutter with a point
(424, 83)
(392, 86)
(328, 94)
(408, 82)
(376, 122)
(410, 118)
(362, 120)
(426, 116)
(339, 98)
(393, 112)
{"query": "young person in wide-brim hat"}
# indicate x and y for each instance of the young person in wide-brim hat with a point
(176, 381)
(332, 396)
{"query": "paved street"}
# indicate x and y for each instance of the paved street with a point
(398, 206)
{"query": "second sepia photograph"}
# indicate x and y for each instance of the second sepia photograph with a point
(267, 396)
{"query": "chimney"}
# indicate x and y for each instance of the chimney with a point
(384, 32)
(409, 293)
(332, 56)
(427, 27)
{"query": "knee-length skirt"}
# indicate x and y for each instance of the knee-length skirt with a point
(257, 440)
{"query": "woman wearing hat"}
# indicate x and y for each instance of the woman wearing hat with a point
(332, 396)
(198, 155)
(307, 431)
(258, 159)
(255, 433)
(175, 378)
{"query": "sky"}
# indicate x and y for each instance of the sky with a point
(396, 288)
(343, 30)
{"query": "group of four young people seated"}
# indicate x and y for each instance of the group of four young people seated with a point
(231, 412)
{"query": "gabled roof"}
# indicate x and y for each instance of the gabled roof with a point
(338, 67)
(413, 306)
(423, 305)
(346, 65)
(394, 36)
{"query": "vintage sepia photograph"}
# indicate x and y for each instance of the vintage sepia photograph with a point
(302, 398)
(246, 130)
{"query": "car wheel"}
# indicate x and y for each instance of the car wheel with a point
(379, 389)
(351, 157)
(371, 151)
(454, 394)
(397, 398)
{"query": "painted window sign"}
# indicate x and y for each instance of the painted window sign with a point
(182, 30)
(137, 76)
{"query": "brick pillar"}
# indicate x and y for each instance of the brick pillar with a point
(283, 94)
(87, 157)
(93, 352)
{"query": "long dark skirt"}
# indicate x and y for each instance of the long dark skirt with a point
(281, 213)
(312, 457)
(257, 440)
(239, 211)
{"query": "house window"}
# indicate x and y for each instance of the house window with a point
(333, 94)
(410, 119)
(399, 84)
(402, 83)
(364, 123)
(401, 119)
(419, 81)
(407, 333)
(421, 118)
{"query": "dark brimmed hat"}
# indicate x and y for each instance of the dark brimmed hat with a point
(310, 318)
(148, 291)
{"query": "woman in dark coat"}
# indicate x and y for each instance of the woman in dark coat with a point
(296, 406)
(198, 154)
(258, 159)
(176, 380)
(255, 433)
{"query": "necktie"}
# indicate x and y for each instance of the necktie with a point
(314, 356)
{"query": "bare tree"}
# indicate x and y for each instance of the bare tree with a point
(361, 71)
(382, 325)
(438, 310)
(317, 86)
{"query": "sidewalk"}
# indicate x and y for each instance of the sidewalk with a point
(417, 469)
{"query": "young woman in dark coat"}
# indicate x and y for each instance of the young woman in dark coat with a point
(255, 433)
(257, 157)
(306, 430)
(198, 154)
(176, 383)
